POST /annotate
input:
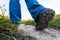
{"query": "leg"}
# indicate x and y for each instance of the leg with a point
(34, 7)
(15, 11)
(41, 15)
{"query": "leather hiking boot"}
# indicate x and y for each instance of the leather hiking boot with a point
(43, 19)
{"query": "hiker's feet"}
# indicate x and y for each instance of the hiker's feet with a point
(43, 19)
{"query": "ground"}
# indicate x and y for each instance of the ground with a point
(47, 34)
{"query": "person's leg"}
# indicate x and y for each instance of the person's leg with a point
(15, 11)
(34, 7)
(40, 14)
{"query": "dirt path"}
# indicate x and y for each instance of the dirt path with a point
(47, 34)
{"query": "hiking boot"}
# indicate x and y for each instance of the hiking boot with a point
(43, 19)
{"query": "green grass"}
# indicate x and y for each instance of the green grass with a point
(55, 22)
(6, 29)
(28, 22)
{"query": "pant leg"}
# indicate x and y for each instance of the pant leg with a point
(34, 7)
(15, 11)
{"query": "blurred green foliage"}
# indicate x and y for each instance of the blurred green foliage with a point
(28, 22)
(55, 22)
(6, 29)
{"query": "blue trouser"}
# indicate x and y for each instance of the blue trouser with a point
(15, 9)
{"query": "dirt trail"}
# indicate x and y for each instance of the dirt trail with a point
(47, 34)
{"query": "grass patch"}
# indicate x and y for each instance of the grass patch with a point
(6, 29)
(28, 22)
(55, 22)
